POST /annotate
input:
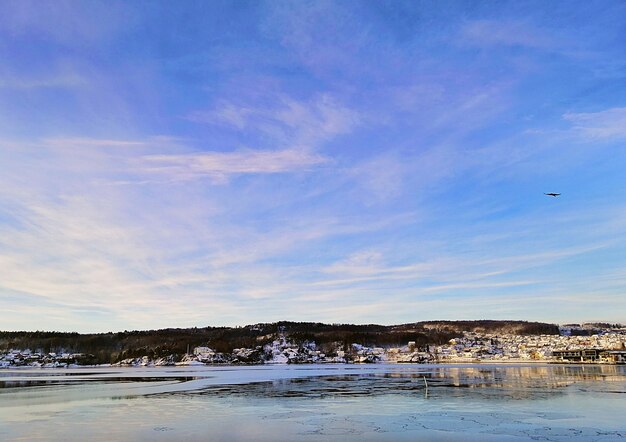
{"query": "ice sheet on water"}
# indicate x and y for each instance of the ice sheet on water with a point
(360, 403)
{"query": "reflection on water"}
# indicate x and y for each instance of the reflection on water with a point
(501, 382)
(373, 385)
(374, 402)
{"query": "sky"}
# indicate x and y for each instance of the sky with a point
(180, 164)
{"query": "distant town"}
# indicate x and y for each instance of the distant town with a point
(574, 343)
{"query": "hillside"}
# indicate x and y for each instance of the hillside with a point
(114, 347)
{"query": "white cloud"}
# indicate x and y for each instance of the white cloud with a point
(380, 179)
(292, 129)
(180, 252)
(284, 119)
(389, 176)
(606, 124)
(359, 263)
(221, 165)
(93, 142)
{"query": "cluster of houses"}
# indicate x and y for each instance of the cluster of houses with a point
(606, 347)
(609, 347)
(280, 351)
(39, 359)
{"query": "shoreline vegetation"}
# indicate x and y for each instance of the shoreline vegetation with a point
(484, 341)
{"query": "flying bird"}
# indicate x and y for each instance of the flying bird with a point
(552, 194)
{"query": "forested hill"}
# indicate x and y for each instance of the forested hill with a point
(113, 347)
(489, 326)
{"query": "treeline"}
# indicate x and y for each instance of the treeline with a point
(491, 326)
(602, 325)
(114, 347)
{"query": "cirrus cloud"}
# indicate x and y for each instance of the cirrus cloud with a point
(606, 124)
(219, 166)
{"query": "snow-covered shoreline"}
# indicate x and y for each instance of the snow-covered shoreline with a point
(474, 348)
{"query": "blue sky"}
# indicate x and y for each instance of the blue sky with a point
(224, 163)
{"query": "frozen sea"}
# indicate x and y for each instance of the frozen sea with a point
(380, 402)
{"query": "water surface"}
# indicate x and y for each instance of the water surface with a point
(316, 402)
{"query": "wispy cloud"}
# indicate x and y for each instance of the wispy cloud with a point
(381, 178)
(319, 161)
(606, 124)
(69, 80)
(65, 21)
(83, 142)
(490, 33)
(219, 166)
(284, 119)
(439, 272)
